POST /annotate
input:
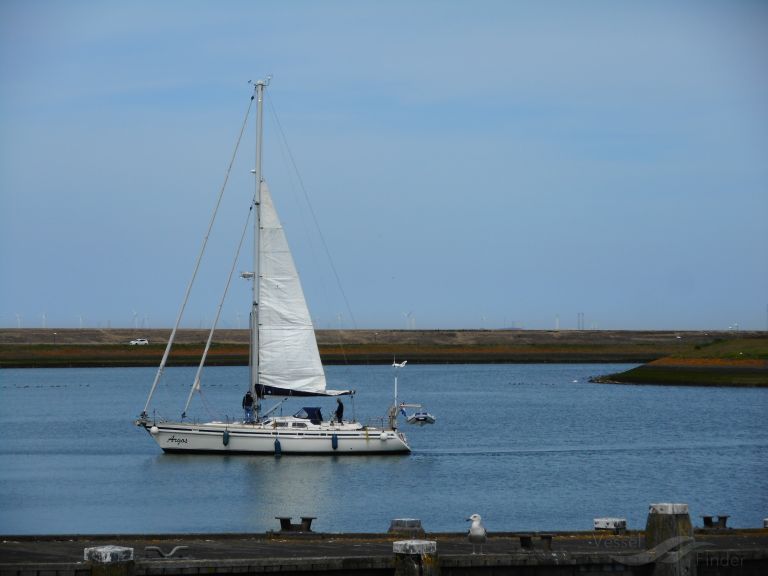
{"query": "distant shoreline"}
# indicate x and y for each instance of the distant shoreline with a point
(56, 348)
(713, 372)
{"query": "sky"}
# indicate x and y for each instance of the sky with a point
(484, 164)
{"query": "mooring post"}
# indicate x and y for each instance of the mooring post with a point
(416, 558)
(617, 525)
(406, 528)
(110, 560)
(669, 538)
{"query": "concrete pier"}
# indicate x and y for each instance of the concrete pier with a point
(596, 553)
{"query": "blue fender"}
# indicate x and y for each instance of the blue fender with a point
(335, 442)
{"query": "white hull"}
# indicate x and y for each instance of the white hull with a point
(239, 438)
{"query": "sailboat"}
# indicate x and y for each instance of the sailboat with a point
(284, 361)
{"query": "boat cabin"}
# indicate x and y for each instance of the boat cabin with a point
(298, 420)
(313, 414)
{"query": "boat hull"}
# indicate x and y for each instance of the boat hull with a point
(219, 438)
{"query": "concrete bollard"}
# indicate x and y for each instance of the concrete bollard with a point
(416, 558)
(617, 525)
(110, 560)
(669, 538)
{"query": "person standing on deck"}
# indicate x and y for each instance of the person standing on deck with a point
(339, 410)
(248, 407)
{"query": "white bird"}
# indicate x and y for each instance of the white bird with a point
(400, 365)
(477, 534)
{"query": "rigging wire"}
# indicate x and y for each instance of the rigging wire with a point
(207, 406)
(168, 347)
(196, 382)
(311, 211)
(327, 251)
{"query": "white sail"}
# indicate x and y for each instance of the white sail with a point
(289, 360)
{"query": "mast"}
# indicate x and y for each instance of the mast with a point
(259, 86)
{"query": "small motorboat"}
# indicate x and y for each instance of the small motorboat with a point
(420, 418)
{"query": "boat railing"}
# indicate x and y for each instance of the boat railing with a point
(375, 422)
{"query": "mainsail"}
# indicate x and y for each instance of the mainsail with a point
(289, 360)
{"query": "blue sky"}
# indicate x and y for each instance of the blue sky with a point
(471, 164)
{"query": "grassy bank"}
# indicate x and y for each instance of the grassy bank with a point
(116, 355)
(72, 347)
(721, 362)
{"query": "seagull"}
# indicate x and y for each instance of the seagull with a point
(400, 365)
(477, 534)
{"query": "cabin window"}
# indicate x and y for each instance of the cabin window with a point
(299, 425)
(281, 424)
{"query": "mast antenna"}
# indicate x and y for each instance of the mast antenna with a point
(264, 82)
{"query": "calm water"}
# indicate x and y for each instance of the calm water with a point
(527, 446)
